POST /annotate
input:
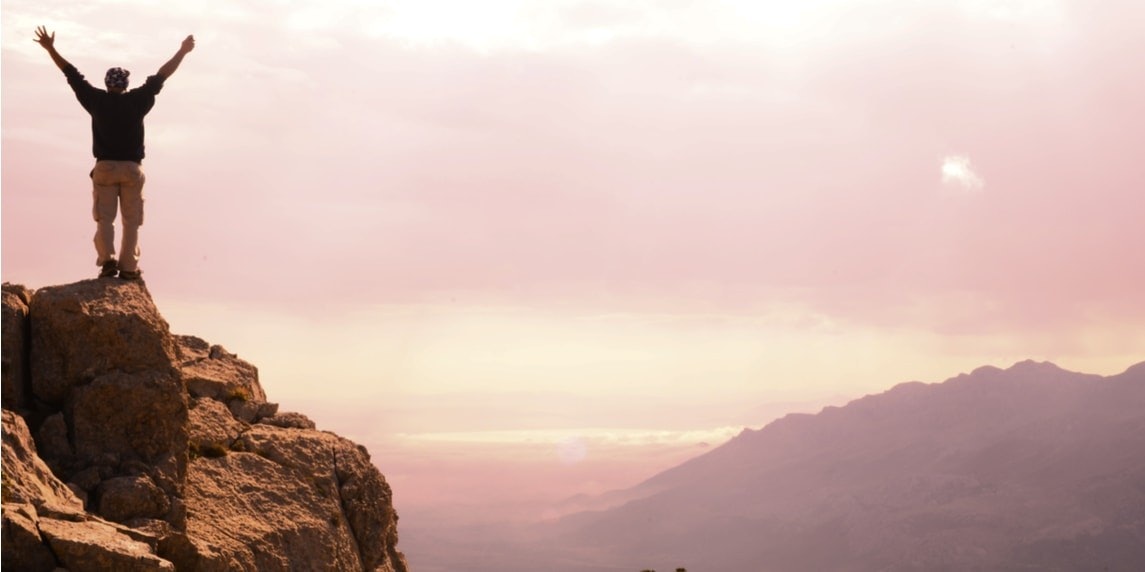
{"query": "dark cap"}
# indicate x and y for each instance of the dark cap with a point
(116, 78)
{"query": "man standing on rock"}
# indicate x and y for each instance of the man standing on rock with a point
(117, 143)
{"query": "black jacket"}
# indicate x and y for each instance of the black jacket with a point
(116, 118)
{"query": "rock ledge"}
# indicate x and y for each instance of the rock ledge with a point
(129, 448)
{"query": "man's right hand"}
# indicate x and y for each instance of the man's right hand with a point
(44, 38)
(49, 42)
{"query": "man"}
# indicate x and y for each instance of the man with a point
(117, 143)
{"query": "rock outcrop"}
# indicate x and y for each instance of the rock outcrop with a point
(129, 448)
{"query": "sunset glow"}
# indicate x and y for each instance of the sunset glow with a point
(547, 230)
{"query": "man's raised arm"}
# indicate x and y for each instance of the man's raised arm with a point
(48, 41)
(173, 63)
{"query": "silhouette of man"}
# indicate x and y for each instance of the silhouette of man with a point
(117, 143)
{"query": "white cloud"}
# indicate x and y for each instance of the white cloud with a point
(957, 172)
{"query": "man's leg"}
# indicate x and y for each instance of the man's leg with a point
(105, 200)
(131, 201)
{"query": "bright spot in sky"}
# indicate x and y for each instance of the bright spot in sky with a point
(956, 170)
(572, 450)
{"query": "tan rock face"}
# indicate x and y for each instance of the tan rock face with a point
(15, 320)
(212, 371)
(140, 416)
(85, 546)
(120, 328)
(213, 429)
(160, 452)
(238, 513)
(27, 480)
(23, 547)
(45, 525)
(123, 499)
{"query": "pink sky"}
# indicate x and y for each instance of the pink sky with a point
(451, 212)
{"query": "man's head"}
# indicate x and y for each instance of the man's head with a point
(116, 80)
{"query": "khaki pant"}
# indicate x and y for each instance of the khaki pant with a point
(115, 185)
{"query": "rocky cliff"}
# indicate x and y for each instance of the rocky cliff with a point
(129, 448)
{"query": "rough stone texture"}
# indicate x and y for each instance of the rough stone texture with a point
(172, 441)
(362, 489)
(23, 547)
(98, 547)
(27, 480)
(23, 293)
(336, 496)
(53, 438)
(14, 348)
(122, 499)
(251, 411)
(239, 517)
(212, 371)
(289, 420)
(87, 479)
(120, 329)
(130, 424)
(132, 416)
(44, 523)
(213, 428)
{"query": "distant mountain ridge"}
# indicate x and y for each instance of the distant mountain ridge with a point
(1029, 467)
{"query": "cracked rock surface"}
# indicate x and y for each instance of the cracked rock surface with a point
(129, 448)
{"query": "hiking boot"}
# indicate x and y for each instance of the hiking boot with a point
(110, 269)
(130, 274)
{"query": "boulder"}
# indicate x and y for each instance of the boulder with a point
(171, 445)
(362, 489)
(93, 546)
(45, 525)
(335, 503)
(27, 480)
(84, 330)
(14, 391)
(123, 499)
(23, 547)
(289, 420)
(53, 438)
(212, 371)
(131, 424)
(141, 416)
(212, 428)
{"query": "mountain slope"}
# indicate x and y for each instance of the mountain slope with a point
(1028, 467)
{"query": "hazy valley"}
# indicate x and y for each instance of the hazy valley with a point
(1031, 467)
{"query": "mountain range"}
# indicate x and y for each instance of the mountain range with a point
(1026, 468)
